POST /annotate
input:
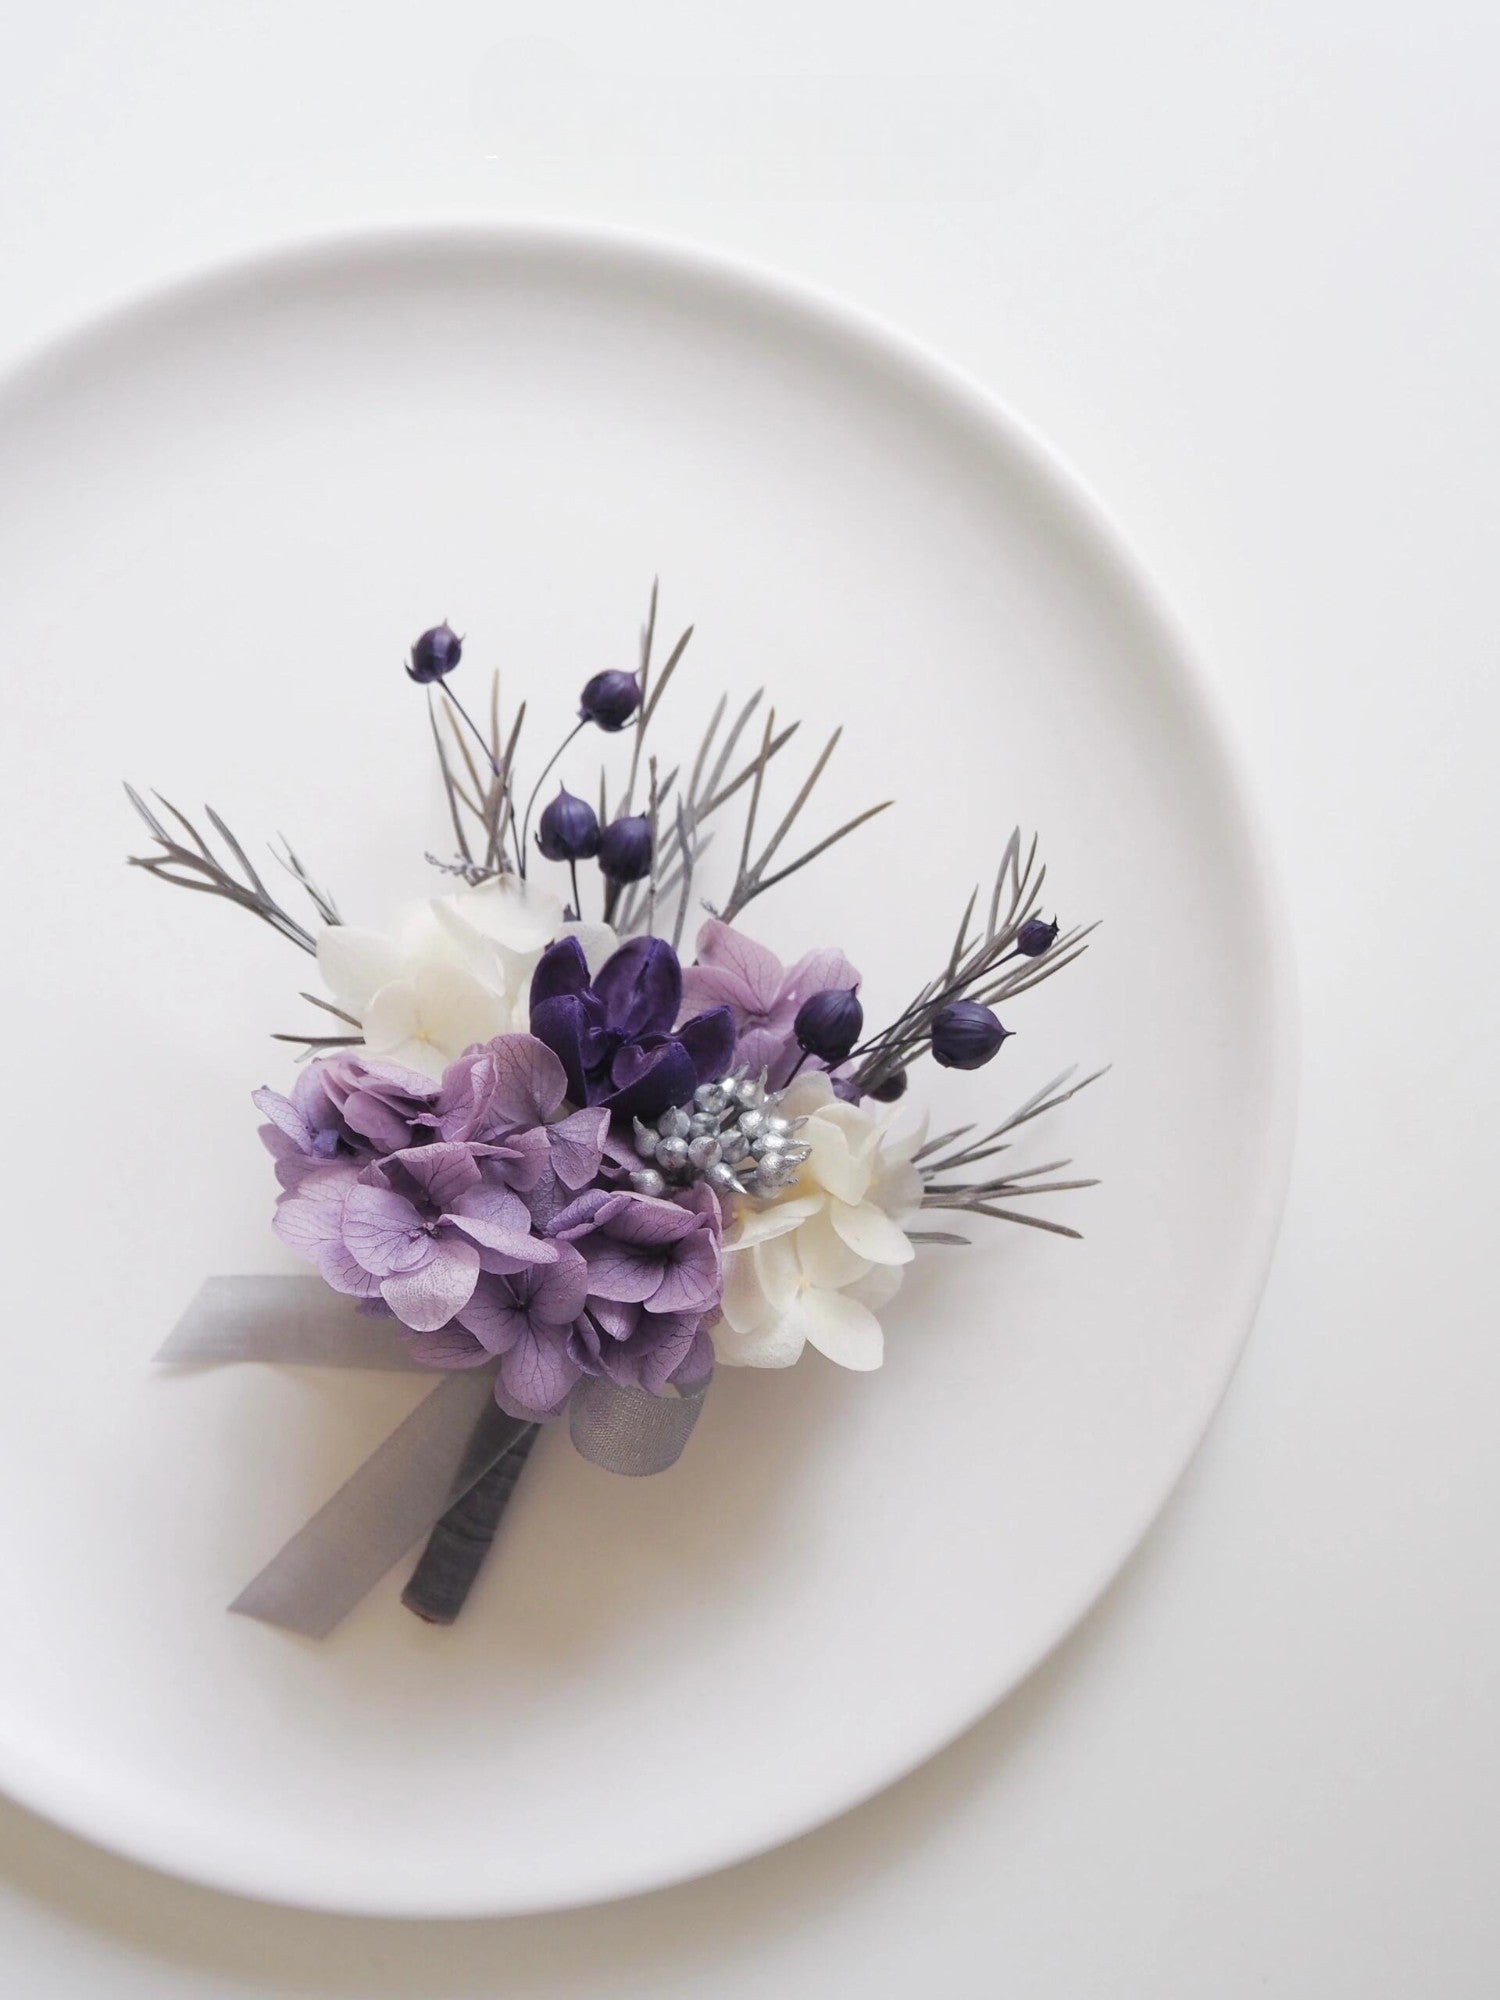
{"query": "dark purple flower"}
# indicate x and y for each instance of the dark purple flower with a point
(344, 1107)
(1035, 937)
(625, 849)
(568, 829)
(965, 1035)
(762, 995)
(610, 699)
(415, 1228)
(614, 1036)
(435, 654)
(828, 1024)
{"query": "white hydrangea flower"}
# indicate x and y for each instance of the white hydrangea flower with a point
(457, 970)
(817, 1262)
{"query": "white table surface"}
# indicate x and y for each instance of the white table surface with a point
(1239, 262)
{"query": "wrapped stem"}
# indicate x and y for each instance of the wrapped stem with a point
(450, 1564)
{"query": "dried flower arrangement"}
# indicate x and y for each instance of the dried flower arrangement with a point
(542, 1155)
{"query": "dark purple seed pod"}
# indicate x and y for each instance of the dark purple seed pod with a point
(568, 829)
(890, 1087)
(625, 849)
(965, 1035)
(1035, 937)
(610, 699)
(829, 1024)
(435, 654)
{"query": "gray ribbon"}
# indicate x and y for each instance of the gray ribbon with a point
(423, 1468)
(625, 1430)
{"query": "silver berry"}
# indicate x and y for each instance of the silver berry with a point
(648, 1181)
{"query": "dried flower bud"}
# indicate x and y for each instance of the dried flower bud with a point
(610, 699)
(568, 829)
(1035, 937)
(890, 1087)
(625, 849)
(965, 1035)
(435, 654)
(829, 1023)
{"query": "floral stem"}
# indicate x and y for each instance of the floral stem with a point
(474, 729)
(450, 1563)
(526, 816)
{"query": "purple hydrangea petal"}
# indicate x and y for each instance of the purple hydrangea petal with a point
(426, 1298)
(564, 1025)
(438, 1174)
(510, 1083)
(494, 1315)
(558, 1291)
(698, 1364)
(614, 1318)
(342, 1272)
(449, 1346)
(693, 1280)
(498, 1219)
(746, 974)
(819, 971)
(520, 1160)
(649, 1076)
(593, 1207)
(287, 1120)
(644, 1219)
(709, 1040)
(536, 1376)
(641, 987)
(561, 969)
(623, 1271)
(383, 1231)
(576, 1145)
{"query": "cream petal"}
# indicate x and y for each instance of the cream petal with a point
(826, 1259)
(806, 1094)
(744, 1305)
(775, 1344)
(880, 1287)
(831, 1163)
(355, 964)
(897, 1188)
(870, 1233)
(841, 1328)
(754, 1226)
(778, 1271)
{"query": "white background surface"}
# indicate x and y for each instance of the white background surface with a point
(1239, 264)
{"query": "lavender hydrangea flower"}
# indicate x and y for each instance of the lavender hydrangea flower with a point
(614, 1035)
(344, 1107)
(762, 995)
(655, 1279)
(415, 1229)
(508, 1094)
(523, 1318)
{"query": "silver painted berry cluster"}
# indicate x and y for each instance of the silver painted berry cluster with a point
(732, 1135)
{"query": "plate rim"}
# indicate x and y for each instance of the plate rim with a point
(690, 265)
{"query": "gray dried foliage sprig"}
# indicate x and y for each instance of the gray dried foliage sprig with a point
(988, 968)
(480, 798)
(951, 1153)
(188, 861)
(751, 879)
(710, 789)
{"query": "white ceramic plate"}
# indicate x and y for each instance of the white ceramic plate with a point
(223, 515)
